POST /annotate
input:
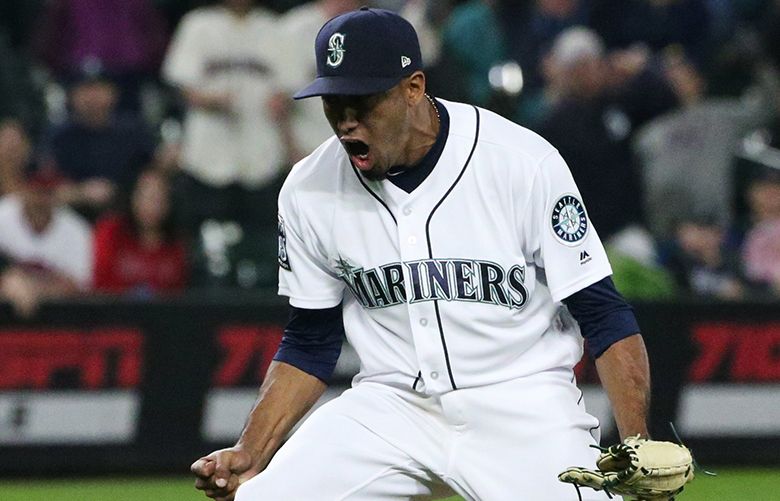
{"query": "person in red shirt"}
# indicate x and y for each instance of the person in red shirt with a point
(140, 251)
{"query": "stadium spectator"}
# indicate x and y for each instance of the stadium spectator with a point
(591, 121)
(300, 26)
(697, 142)
(139, 251)
(764, 194)
(761, 247)
(15, 154)
(225, 59)
(46, 247)
(758, 156)
(761, 256)
(128, 37)
(98, 150)
(530, 28)
(701, 259)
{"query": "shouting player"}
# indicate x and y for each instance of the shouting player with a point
(454, 249)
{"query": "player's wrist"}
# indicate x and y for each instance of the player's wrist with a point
(244, 447)
(259, 452)
(633, 425)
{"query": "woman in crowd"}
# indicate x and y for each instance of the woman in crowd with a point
(140, 251)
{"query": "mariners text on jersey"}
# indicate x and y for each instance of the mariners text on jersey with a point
(436, 279)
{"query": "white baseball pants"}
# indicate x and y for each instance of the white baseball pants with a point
(375, 442)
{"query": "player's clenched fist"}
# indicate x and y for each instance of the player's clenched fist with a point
(220, 473)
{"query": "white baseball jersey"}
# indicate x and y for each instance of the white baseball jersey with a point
(65, 245)
(458, 283)
(216, 51)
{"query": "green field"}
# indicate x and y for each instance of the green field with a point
(730, 485)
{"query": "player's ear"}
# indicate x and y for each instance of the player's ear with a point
(415, 87)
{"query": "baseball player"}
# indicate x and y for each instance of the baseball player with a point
(453, 248)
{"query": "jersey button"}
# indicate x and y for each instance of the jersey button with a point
(434, 375)
(407, 211)
(412, 240)
(423, 322)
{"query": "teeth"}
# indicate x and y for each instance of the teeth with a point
(363, 157)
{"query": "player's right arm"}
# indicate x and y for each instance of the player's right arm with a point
(309, 349)
(286, 394)
(295, 380)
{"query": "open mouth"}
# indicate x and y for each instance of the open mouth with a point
(356, 148)
(358, 151)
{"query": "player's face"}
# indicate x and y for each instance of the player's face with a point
(374, 129)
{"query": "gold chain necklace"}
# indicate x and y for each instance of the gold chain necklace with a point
(435, 108)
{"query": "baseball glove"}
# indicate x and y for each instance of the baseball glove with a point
(639, 469)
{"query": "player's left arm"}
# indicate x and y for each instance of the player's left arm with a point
(608, 324)
(625, 375)
(638, 467)
(573, 259)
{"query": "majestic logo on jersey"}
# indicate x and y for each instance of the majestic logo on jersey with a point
(436, 279)
(284, 260)
(335, 50)
(569, 221)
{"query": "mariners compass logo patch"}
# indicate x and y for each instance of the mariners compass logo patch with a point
(335, 50)
(569, 221)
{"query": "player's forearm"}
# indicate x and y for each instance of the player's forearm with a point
(625, 374)
(286, 394)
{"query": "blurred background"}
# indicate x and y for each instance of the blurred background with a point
(143, 143)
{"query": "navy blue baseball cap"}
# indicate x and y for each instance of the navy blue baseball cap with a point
(363, 52)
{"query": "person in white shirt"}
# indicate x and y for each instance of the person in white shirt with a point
(46, 247)
(225, 59)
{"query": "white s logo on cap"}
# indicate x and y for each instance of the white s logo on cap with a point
(335, 50)
(405, 61)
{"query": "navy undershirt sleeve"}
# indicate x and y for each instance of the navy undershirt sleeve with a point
(312, 341)
(604, 316)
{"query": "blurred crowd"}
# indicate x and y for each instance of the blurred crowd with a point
(143, 142)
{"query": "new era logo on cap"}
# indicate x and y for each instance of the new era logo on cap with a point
(357, 53)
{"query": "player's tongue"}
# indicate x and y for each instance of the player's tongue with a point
(359, 153)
